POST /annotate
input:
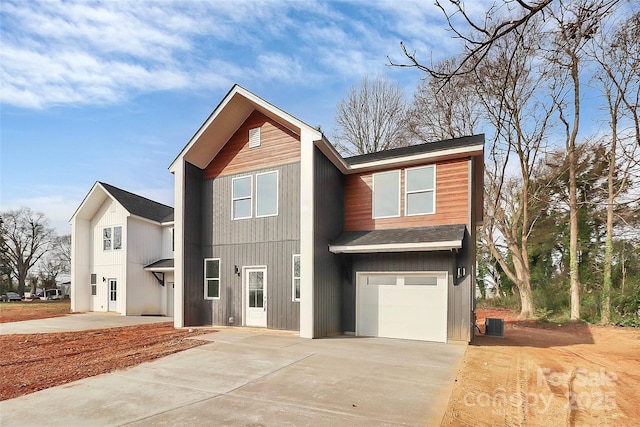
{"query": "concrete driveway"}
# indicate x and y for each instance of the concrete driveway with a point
(77, 322)
(249, 377)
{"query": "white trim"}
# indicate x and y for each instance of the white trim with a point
(407, 192)
(277, 193)
(293, 276)
(397, 247)
(373, 193)
(233, 180)
(178, 253)
(159, 269)
(204, 270)
(307, 234)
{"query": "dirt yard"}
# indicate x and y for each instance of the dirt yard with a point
(544, 374)
(29, 310)
(37, 361)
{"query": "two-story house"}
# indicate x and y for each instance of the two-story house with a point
(274, 228)
(121, 254)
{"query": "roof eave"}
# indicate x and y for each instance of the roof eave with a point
(396, 247)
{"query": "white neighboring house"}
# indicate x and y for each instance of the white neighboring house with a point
(121, 254)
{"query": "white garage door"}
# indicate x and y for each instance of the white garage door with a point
(402, 305)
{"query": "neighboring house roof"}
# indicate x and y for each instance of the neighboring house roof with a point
(160, 265)
(434, 238)
(138, 205)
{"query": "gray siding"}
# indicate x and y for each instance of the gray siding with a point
(269, 241)
(195, 312)
(328, 224)
(461, 291)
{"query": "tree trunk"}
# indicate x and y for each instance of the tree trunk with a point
(573, 197)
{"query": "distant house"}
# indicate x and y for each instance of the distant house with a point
(273, 228)
(121, 254)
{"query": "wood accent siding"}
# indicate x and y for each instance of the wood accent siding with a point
(452, 200)
(278, 146)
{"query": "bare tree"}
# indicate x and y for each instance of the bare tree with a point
(444, 110)
(619, 59)
(57, 260)
(371, 118)
(25, 239)
(509, 87)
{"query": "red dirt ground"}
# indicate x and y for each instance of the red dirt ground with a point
(546, 374)
(33, 362)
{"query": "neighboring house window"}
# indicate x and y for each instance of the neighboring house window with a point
(117, 237)
(254, 137)
(420, 190)
(94, 287)
(296, 278)
(241, 197)
(386, 194)
(267, 194)
(173, 240)
(106, 239)
(212, 278)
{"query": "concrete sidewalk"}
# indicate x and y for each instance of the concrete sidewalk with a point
(249, 377)
(77, 322)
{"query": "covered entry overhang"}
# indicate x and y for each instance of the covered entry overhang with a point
(159, 268)
(416, 239)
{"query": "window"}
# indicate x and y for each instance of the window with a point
(106, 239)
(94, 290)
(386, 194)
(241, 197)
(117, 237)
(254, 137)
(420, 190)
(212, 278)
(267, 194)
(93, 278)
(421, 280)
(173, 240)
(380, 280)
(296, 278)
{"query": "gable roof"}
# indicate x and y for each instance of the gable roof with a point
(140, 206)
(414, 239)
(132, 203)
(225, 120)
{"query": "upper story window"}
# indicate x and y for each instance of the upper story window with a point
(212, 278)
(241, 193)
(420, 190)
(254, 137)
(111, 238)
(267, 194)
(106, 238)
(386, 194)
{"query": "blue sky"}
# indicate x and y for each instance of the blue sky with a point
(112, 91)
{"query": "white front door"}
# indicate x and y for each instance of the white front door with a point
(255, 279)
(113, 295)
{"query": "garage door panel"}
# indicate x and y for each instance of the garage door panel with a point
(403, 311)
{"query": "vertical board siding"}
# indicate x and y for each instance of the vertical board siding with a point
(195, 308)
(461, 291)
(144, 293)
(279, 145)
(409, 261)
(269, 241)
(108, 264)
(328, 225)
(167, 241)
(452, 201)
